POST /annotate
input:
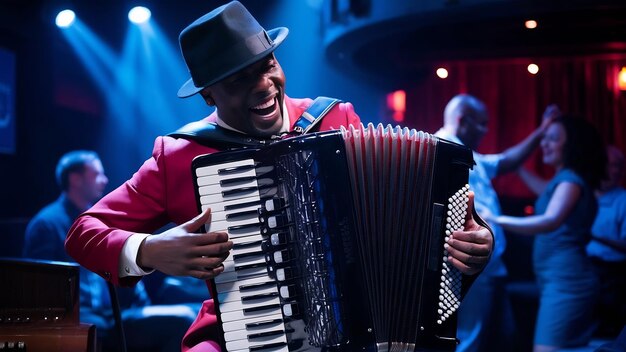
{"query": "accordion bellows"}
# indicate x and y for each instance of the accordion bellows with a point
(339, 240)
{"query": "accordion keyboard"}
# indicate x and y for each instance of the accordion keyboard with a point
(250, 300)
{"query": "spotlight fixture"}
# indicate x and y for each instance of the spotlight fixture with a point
(139, 14)
(65, 18)
(533, 69)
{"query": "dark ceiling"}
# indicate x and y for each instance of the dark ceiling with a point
(490, 31)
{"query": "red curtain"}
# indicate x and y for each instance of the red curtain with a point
(515, 100)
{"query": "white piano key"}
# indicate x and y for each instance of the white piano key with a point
(230, 265)
(251, 248)
(241, 344)
(273, 349)
(235, 286)
(212, 169)
(217, 197)
(218, 189)
(226, 307)
(225, 224)
(215, 201)
(222, 215)
(241, 324)
(236, 296)
(243, 334)
(239, 314)
(215, 179)
(235, 275)
(243, 239)
(250, 231)
(217, 207)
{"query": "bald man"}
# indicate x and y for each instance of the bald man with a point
(485, 317)
(607, 247)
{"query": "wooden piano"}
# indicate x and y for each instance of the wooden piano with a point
(39, 307)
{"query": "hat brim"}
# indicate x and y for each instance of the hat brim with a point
(277, 35)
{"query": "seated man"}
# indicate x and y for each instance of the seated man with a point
(81, 177)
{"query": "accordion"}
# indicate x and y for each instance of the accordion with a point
(338, 240)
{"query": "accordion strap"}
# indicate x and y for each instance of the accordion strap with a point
(314, 114)
(212, 135)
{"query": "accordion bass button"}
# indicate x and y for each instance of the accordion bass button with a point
(287, 291)
(290, 309)
(278, 238)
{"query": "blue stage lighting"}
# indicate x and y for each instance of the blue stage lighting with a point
(65, 18)
(139, 14)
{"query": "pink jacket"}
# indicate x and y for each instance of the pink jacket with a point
(159, 193)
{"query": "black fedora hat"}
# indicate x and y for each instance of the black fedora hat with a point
(223, 42)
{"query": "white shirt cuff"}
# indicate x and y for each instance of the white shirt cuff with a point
(128, 258)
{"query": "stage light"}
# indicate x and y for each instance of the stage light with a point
(396, 102)
(530, 24)
(139, 14)
(442, 73)
(65, 18)
(621, 79)
(533, 69)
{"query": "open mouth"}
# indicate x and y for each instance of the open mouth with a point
(266, 108)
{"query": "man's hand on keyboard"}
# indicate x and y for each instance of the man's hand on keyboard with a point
(181, 251)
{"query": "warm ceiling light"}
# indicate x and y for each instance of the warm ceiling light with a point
(396, 102)
(533, 69)
(621, 79)
(530, 24)
(442, 73)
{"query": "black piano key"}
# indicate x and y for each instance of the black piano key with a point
(234, 170)
(241, 205)
(246, 214)
(266, 334)
(243, 227)
(261, 308)
(244, 288)
(248, 244)
(236, 180)
(250, 266)
(248, 255)
(260, 324)
(259, 296)
(237, 191)
(267, 346)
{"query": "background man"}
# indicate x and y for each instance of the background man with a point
(81, 177)
(485, 316)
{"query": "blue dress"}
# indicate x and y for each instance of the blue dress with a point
(564, 273)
